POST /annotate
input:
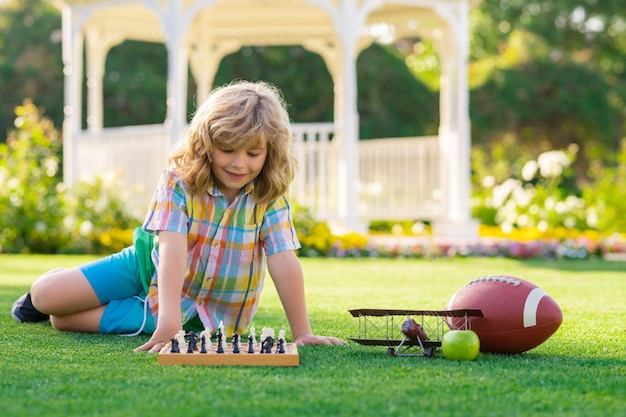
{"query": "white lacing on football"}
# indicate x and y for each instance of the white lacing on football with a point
(498, 278)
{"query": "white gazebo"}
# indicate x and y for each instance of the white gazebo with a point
(199, 33)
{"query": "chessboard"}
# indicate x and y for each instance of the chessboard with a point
(211, 358)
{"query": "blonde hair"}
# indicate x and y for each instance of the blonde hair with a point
(239, 114)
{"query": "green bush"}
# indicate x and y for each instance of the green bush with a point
(39, 215)
(31, 201)
(100, 216)
(315, 237)
(607, 194)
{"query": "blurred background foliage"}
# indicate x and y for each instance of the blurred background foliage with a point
(39, 214)
(545, 75)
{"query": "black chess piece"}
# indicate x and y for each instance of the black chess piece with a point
(192, 341)
(280, 346)
(174, 347)
(220, 338)
(235, 342)
(266, 346)
(203, 344)
(250, 344)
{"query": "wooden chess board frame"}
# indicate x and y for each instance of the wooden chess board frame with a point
(211, 358)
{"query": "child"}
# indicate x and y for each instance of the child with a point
(219, 216)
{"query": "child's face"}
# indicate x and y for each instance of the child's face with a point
(234, 168)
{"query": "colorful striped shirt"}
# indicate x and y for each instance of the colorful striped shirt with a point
(227, 245)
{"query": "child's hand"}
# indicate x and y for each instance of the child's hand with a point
(153, 345)
(159, 339)
(311, 339)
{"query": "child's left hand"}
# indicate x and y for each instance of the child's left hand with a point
(311, 339)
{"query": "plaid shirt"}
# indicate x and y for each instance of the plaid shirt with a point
(226, 249)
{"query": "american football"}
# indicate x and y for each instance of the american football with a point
(517, 314)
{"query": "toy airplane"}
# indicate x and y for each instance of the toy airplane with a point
(408, 332)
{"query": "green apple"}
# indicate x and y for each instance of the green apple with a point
(460, 345)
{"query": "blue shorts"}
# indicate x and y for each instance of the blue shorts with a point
(117, 283)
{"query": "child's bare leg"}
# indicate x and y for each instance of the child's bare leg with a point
(87, 321)
(68, 297)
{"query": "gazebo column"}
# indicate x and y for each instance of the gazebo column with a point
(98, 46)
(348, 19)
(175, 20)
(176, 87)
(454, 129)
(72, 55)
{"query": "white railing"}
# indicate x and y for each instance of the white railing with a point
(136, 153)
(315, 186)
(398, 177)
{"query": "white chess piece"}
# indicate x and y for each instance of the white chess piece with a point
(206, 333)
(180, 337)
(267, 331)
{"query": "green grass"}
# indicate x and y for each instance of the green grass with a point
(580, 371)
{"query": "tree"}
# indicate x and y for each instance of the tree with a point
(134, 84)
(543, 102)
(392, 102)
(584, 40)
(30, 59)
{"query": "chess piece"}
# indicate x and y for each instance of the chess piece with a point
(220, 341)
(206, 333)
(266, 345)
(203, 344)
(267, 339)
(280, 346)
(235, 342)
(192, 342)
(180, 337)
(174, 347)
(251, 343)
(252, 338)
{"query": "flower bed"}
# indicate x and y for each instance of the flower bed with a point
(525, 245)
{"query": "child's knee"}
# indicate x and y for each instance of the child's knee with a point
(44, 291)
(38, 294)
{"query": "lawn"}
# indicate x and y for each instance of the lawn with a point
(579, 371)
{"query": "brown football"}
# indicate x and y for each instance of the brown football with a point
(517, 314)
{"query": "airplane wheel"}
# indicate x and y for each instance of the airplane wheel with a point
(391, 352)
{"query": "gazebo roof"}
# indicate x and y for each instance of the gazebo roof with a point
(259, 22)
